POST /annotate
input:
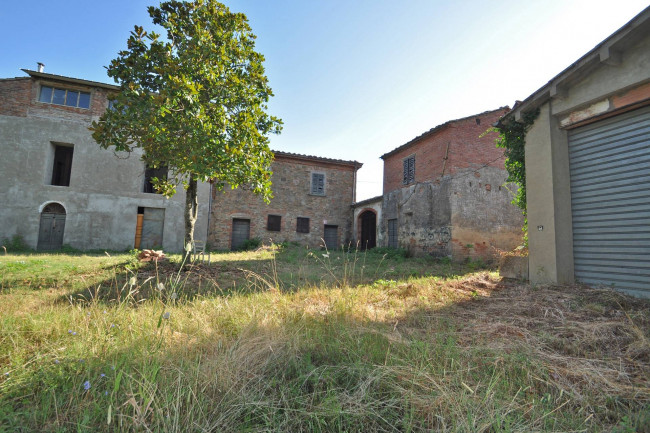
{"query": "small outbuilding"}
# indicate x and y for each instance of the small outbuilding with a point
(588, 166)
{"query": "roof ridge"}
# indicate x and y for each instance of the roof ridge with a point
(439, 127)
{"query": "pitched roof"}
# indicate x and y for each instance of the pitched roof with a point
(321, 159)
(605, 52)
(438, 128)
(36, 74)
(368, 201)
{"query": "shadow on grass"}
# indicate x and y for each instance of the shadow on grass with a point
(494, 356)
(285, 269)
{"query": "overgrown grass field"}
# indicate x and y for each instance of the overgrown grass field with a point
(291, 339)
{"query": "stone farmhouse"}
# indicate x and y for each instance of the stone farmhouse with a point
(58, 187)
(588, 166)
(311, 205)
(444, 194)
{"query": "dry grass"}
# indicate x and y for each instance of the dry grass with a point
(400, 350)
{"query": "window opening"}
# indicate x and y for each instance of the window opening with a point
(302, 225)
(149, 173)
(274, 223)
(69, 98)
(62, 165)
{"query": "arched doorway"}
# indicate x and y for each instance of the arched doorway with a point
(368, 221)
(50, 233)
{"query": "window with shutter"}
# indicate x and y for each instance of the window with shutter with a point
(409, 170)
(318, 184)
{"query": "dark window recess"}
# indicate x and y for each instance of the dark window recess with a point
(149, 174)
(70, 98)
(302, 225)
(409, 170)
(392, 233)
(317, 184)
(62, 165)
(274, 223)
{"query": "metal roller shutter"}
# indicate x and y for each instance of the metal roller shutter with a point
(610, 201)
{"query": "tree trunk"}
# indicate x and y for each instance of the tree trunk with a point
(191, 213)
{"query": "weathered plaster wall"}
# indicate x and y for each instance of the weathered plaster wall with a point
(105, 189)
(423, 213)
(632, 69)
(291, 181)
(483, 219)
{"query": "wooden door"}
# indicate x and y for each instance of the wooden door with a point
(153, 223)
(241, 231)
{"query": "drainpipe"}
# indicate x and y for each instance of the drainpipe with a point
(207, 230)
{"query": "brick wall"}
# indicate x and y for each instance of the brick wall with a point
(14, 96)
(467, 149)
(459, 208)
(19, 97)
(291, 181)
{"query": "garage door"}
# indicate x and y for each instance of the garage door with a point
(610, 200)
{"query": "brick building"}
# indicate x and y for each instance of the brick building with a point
(445, 192)
(312, 199)
(59, 187)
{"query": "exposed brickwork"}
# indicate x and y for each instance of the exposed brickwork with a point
(19, 97)
(14, 96)
(458, 205)
(292, 199)
(467, 149)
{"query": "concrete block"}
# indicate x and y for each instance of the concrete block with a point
(515, 267)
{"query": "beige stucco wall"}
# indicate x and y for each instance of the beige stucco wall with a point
(103, 197)
(603, 90)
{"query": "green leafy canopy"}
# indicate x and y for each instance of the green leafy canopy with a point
(194, 101)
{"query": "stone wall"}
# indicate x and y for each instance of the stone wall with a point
(291, 182)
(459, 205)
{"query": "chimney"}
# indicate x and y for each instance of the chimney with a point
(40, 66)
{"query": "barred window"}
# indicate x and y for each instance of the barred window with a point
(302, 225)
(274, 223)
(317, 184)
(409, 170)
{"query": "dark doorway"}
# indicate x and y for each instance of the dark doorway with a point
(331, 237)
(241, 232)
(50, 233)
(368, 229)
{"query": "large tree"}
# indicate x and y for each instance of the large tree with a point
(194, 101)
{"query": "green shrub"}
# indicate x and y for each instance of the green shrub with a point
(251, 244)
(16, 244)
(390, 253)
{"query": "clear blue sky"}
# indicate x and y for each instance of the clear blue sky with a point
(353, 79)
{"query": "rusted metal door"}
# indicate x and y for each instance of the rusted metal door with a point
(331, 237)
(241, 231)
(50, 234)
(153, 223)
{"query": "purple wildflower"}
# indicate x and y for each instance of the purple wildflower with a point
(87, 385)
